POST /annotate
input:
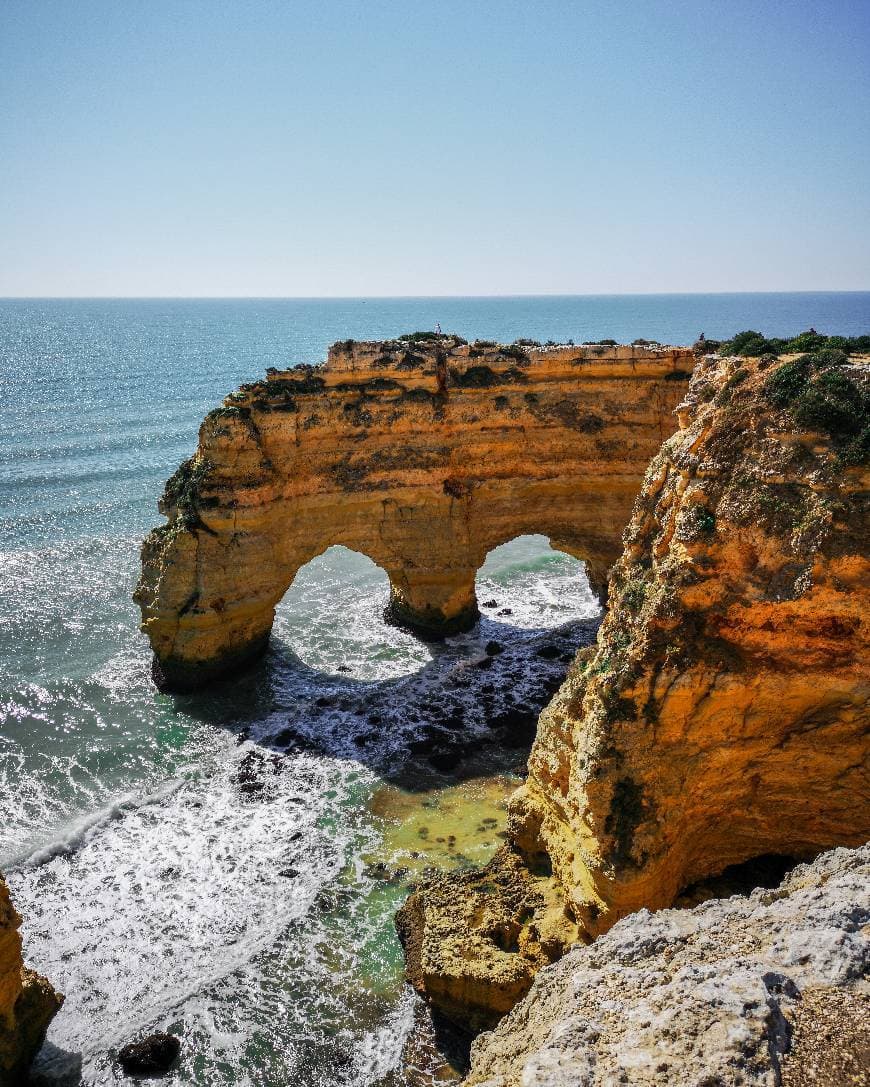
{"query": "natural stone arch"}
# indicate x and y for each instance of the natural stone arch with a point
(506, 549)
(422, 456)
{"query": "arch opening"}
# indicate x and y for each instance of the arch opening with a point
(528, 583)
(331, 617)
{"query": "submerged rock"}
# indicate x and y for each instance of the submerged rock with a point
(714, 995)
(150, 1056)
(28, 1002)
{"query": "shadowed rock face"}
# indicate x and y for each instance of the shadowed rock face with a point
(27, 1001)
(423, 456)
(724, 712)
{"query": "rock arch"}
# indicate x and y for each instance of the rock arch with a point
(422, 456)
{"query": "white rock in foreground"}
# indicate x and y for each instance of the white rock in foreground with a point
(695, 998)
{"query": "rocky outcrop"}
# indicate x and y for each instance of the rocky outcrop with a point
(27, 1001)
(724, 712)
(423, 455)
(720, 994)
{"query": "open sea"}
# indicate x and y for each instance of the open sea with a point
(226, 866)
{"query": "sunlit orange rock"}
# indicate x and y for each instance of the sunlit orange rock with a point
(27, 1001)
(723, 714)
(422, 456)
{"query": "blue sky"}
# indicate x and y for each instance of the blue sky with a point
(392, 148)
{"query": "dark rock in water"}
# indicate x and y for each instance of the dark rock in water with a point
(489, 604)
(286, 737)
(517, 724)
(289, 873)
(494, 648)
(150, 1056)
(445, 759)
(382, 871)
(549, 652)
(253, 769)
(323, 701)
(342, 668)
(506, 611)
(485, 664)
(455, 720)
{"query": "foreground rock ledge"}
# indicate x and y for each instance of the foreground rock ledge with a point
(724, 712)
(720, 994)
(421, 455)
(27, 1001)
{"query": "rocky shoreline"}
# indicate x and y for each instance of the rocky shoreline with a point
(723, 713)
(715, 736)
(724, 993)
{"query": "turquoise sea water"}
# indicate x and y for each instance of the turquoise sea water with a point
(199, 863)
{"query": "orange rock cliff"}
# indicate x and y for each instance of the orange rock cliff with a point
(723, 713)
(421, 455)
(27, 1001)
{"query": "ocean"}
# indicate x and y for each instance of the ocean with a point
(227, 865)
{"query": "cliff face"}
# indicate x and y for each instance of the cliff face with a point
(713, 995)
(423, 456)
(724, 712)
(27, 1001)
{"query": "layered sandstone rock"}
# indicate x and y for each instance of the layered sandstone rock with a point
(27, 1001)
(721, 994)
(421, 455)
(724, 712)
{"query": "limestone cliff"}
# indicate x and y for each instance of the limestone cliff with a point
(726, 993)
(723, 713)
(27, 1001)
(423, 455)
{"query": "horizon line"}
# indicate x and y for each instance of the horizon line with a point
(398, 297)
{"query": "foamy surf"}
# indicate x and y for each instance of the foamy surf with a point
(207, 875)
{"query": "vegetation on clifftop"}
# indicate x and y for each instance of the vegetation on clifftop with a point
(754, 344)
(821, 395)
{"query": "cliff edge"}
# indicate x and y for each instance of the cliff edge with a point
(733, 991)
(723, 713)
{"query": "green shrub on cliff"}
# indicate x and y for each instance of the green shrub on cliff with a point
(822, 396)
(754, 344)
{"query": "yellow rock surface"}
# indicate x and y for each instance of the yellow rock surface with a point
(723, 714)
(422, 456)
(27, 1001)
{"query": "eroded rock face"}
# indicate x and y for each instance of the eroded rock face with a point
(724, 712)
(710, 995)
(27, 1001)
(423, 456)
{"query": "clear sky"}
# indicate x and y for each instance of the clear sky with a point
(395, 147)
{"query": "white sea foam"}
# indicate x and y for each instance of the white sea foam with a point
(149, 845)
